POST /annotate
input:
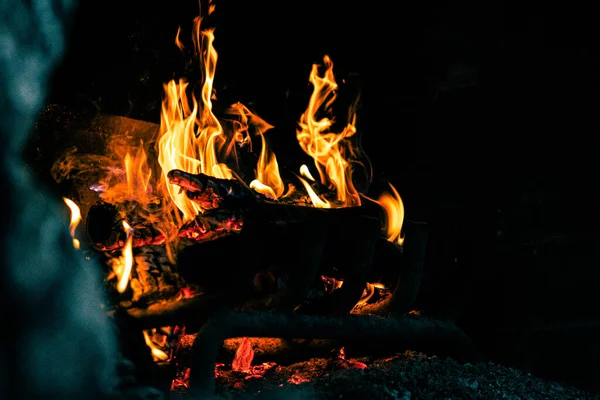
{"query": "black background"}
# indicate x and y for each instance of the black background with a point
(501, 160)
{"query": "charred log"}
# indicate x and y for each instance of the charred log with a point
(410, 274)
(210, 192)
(417, 333)
(350, 248)
(104, 226)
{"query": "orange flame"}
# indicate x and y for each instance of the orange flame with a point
(75, 219)
(268, 179)
(157, 353)
(394, 215)
(369, 292)
(314, 197)
(123, 265)
(329, 150)
(190, 135)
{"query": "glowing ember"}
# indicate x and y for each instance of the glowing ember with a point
(243, 356)
(75, 219)
(298, 379)
(331, 284)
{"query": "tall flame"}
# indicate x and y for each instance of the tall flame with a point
(394, 215)
(329, 150)
(190, 134)
(75, 219)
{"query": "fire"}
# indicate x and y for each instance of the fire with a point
(314, 197)
(369, 292)
(128, 177)
(330, 151)
(268, 179)
(123, 265)
(157, 353)
(75, 219)
(394, 215)
(190, 135)
(138, 174)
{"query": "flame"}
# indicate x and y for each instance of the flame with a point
(178, 41)
(329, 150)
(394, 215)
(130, 177)
(268, 179)
(137, 174)
(190, 135)
(332, 284)
(156, 352)
(305, 172)
(369, 292)
(123, 265)
(75, 219)
(314, 197)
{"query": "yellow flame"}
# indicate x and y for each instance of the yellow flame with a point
(75, 219)
(305, 172)
(268, 179)
(316, 200)
(123, 265)
(156, 352)
(190, 135)
(394, 215)
(329, 150)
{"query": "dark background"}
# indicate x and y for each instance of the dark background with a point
(483, 117)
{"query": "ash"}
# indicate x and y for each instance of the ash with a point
(404, 376)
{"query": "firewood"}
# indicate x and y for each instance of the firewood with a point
(410, 273)
(104, 226)
(350, 246)
(415, 332)
(207, 191)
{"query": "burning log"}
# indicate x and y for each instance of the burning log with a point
(209, 192)
(104, 221)
(350, 247)
(410, 331)
(410, 274)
